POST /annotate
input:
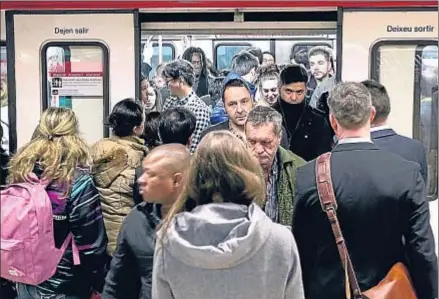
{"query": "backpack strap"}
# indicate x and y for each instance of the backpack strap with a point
(329, 206)
(75, 251)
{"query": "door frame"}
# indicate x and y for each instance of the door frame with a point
(10, 48)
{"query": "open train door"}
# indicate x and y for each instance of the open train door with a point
(399, 48)
(83, 60)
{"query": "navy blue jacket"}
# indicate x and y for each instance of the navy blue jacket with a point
(407, 148)
(381, 201)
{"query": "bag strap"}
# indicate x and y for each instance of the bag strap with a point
(329, 206)
(75, 251)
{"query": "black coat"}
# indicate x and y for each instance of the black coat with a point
(311, 137)
(137, 198)
(381, 200)
(4, 160)
(131, 267)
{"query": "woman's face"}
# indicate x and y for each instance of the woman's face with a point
(270, 91)
(144, 85)
(147, 95)
(151, 98)
(159, 82)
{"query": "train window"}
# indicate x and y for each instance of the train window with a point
(225, 52)
(152, 60)
(75, 76)
(412, 65)
(4, 98)
(307, 46)
(285, 49)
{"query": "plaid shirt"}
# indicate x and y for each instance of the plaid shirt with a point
(201, 111)
(271, 202)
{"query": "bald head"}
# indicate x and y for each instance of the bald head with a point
(163, 173)
(173, 157)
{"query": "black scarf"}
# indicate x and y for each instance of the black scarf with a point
(292, 114)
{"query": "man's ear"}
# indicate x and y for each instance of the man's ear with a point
(333, 122)
(138, 130)
(189, 142)
(177, 179)
(373, 113)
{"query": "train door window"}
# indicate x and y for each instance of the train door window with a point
(75, 76)
(426, 100)
(225, 52)
(151, 58)
(409, 71)
(4, 98)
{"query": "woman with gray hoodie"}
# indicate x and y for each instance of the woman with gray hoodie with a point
(216, 242)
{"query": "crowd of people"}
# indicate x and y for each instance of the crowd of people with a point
(177, 205)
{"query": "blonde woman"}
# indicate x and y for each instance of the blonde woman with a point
(57, 153)
(269, 88)
(114, 162)
(216, 242)
(268, 85)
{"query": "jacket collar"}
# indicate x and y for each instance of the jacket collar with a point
(354, 147)
(133, 142)
(286, 156)
(382, 133)
(379, 128)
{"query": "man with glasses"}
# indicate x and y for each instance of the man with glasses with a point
(309, 133)
(179, 78)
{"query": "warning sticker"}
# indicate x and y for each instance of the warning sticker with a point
(77, 84)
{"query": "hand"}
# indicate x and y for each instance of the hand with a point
(148, 51)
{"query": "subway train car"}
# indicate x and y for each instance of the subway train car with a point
(88, 55)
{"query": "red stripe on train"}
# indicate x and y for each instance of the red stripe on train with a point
(37, 5)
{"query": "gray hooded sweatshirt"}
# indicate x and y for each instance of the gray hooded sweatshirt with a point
(226, 251)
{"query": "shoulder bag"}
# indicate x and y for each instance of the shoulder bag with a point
(397, 283)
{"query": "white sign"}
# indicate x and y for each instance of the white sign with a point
(77, 84)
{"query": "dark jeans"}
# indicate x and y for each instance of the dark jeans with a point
(31, 292)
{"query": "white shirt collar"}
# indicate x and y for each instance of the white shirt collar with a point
(380, 128)
(354, 140)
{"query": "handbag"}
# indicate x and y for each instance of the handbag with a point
(397, 283)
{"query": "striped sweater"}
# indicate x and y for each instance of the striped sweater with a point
(81, 214)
